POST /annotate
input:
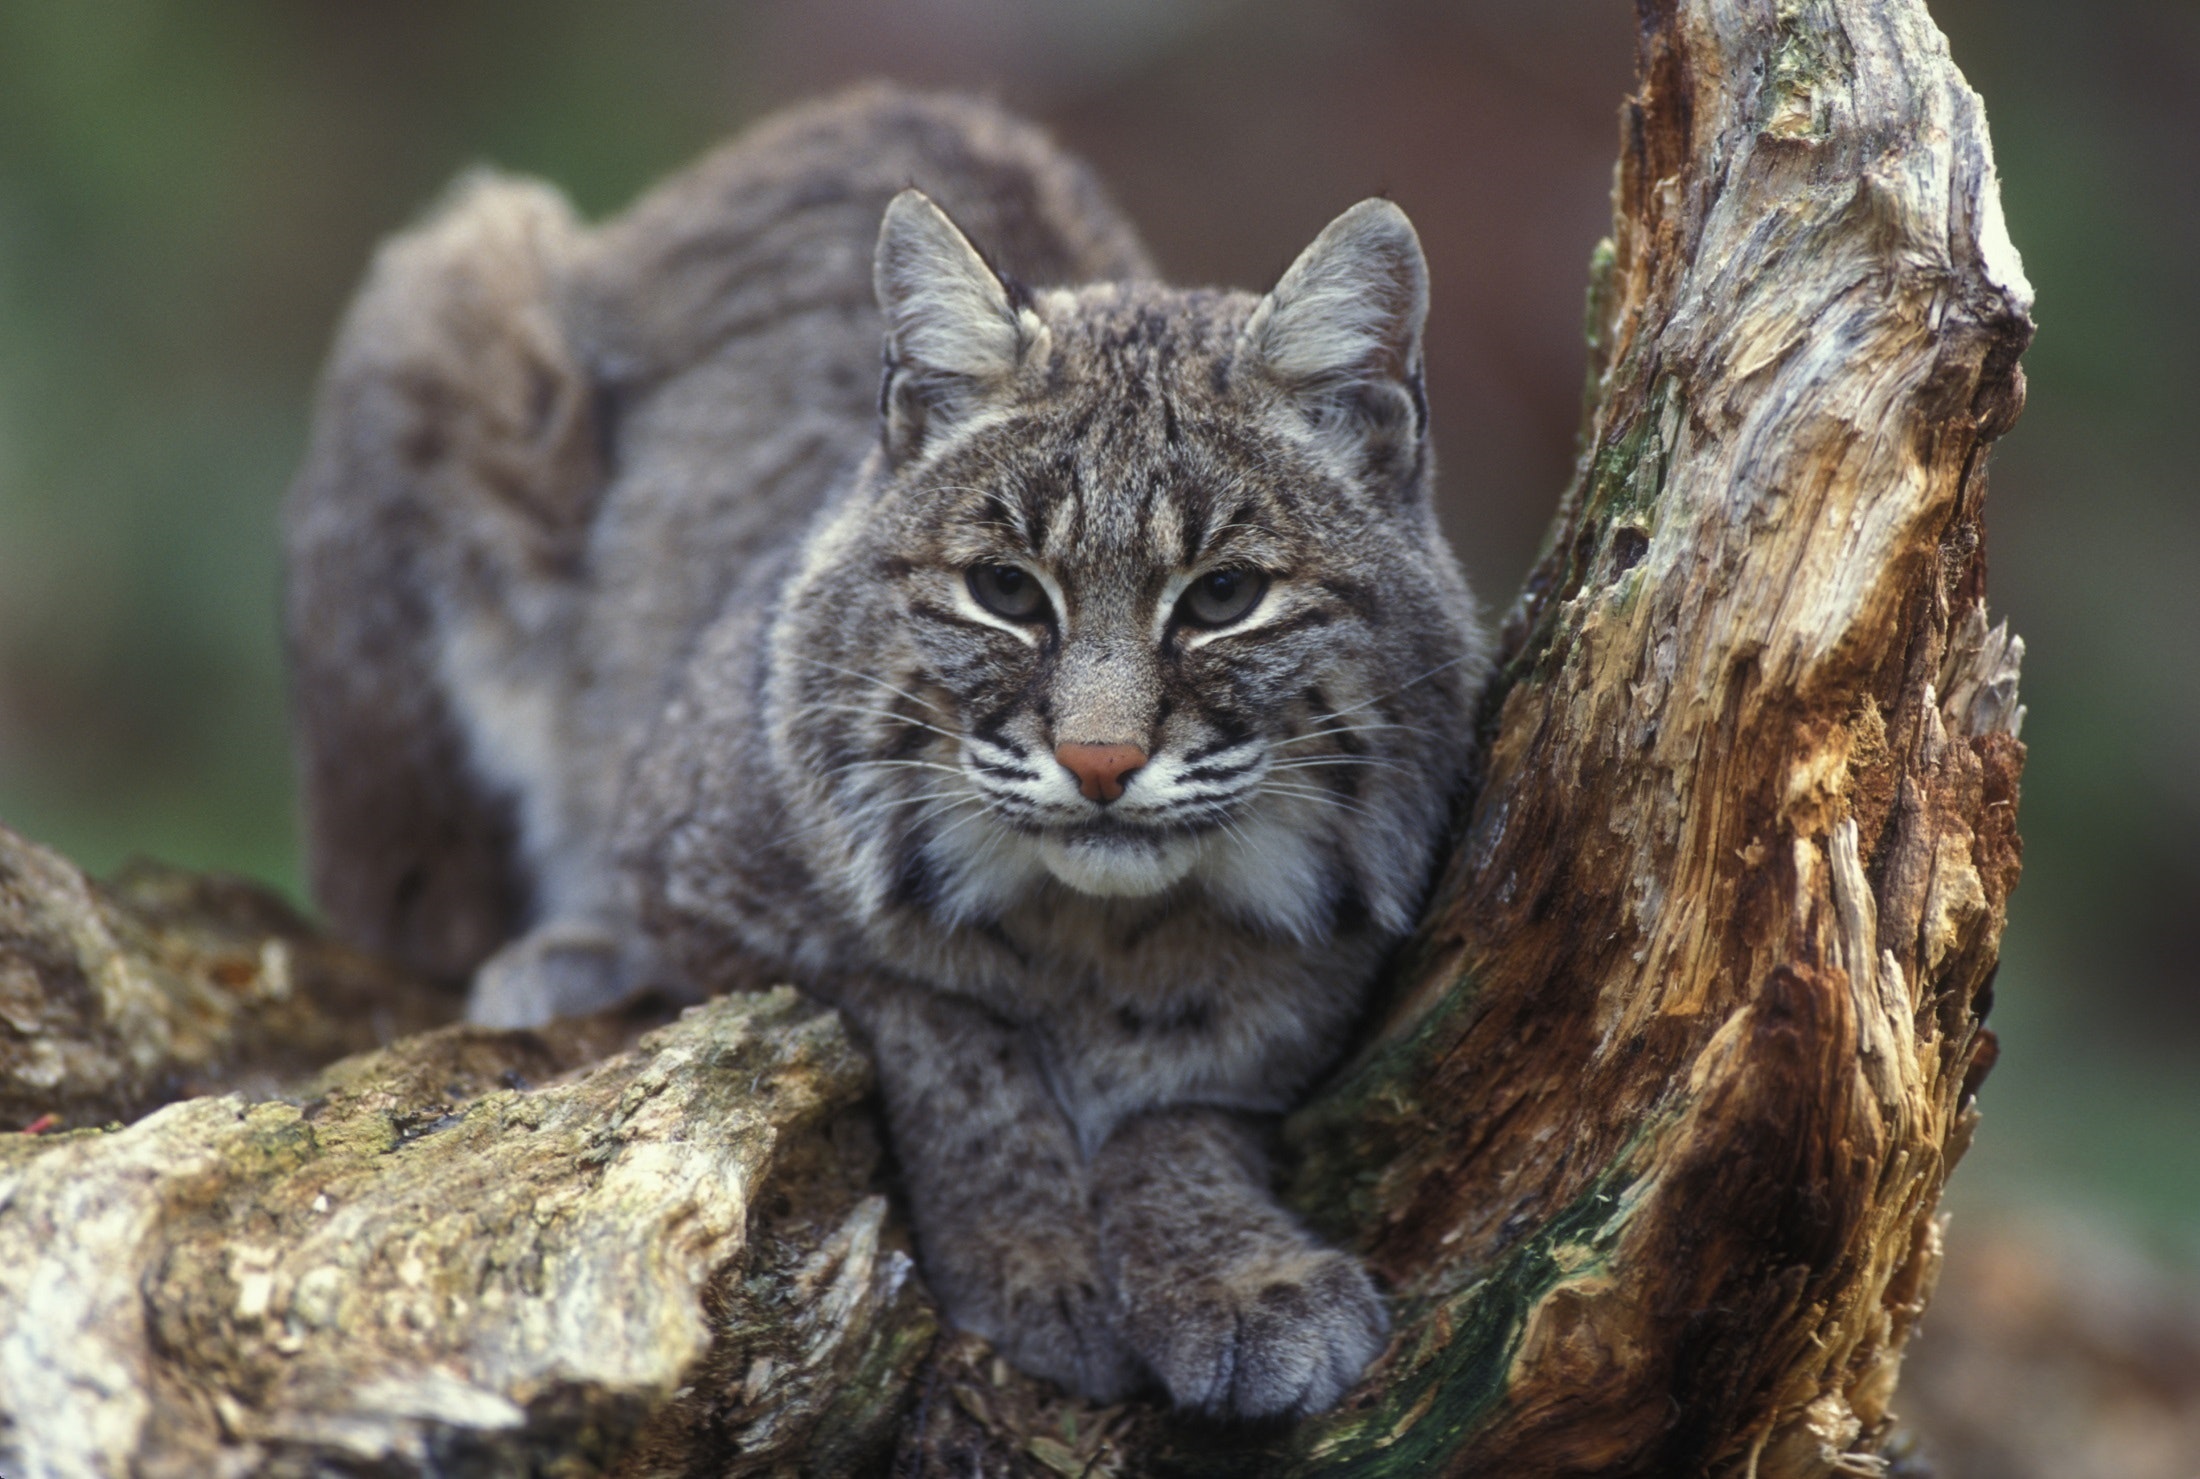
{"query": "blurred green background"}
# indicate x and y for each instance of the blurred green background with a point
(188, 192)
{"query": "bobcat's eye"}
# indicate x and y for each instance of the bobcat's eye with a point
(1010, 591)
(1223, 596)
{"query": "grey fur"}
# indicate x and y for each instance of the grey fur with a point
(636, 633)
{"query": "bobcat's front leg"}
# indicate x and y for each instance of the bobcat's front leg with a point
(1239, 1310)
(998, 1188)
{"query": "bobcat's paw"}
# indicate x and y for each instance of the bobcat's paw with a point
(1283, 1332)
(1067, 1335)
(557, 970)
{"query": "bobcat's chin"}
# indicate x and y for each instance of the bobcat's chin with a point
(1117, 864)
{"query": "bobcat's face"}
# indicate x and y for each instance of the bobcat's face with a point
(1159, 651)
(1151, 613)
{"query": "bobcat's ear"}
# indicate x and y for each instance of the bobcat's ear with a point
(954, 330)
(1341, 332)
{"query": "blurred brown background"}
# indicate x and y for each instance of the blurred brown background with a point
(189, 190)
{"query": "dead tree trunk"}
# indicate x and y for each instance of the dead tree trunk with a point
(1649, 1145)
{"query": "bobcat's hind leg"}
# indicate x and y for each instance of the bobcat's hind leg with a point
(407, 852)
(451, 474)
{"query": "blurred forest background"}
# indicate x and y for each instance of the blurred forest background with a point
(189, 190)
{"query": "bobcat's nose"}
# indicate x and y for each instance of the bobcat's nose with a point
(1100, 769)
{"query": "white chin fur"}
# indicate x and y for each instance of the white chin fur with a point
(1116, 867)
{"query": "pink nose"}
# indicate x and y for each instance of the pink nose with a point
(1100, 769)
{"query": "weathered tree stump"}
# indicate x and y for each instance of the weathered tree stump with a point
(1648, 1146)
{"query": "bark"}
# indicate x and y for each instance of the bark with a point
(470, 1252)
(120, 996)
(1648, 1146)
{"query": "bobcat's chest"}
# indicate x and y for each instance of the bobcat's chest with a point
(1181, 1009)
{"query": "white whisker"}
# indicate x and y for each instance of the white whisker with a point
(1307, 762)
(947, 832)
(884, 764)
(1378, 698)
(1342, 729)
(891, 802)
(879, 808)
(879, 682)
(1315, 793)
(892, 714)
(1235, 831)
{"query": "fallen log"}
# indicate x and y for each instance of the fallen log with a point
(119, 996)
(473, 1251)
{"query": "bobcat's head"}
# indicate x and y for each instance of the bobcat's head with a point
(1142, 591)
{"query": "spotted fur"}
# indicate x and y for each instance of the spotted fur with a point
(1083, 1010)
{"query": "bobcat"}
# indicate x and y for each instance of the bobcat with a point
(1078, 706)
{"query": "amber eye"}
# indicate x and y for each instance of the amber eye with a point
(1223, 596)
(1010, 591)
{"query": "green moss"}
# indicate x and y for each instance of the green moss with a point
(1366, 1120)
(1629, 473)
(1453, 1369)
(860, 1425)
(280, 1141)
(1810, 62)
(1621, 489)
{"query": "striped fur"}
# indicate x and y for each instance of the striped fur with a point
(1082, 1011)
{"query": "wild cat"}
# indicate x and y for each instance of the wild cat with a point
(1076, 702)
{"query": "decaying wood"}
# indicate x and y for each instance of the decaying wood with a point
(1663, 1119)
(431, 1264)
(1649, 1145)
(119, 996)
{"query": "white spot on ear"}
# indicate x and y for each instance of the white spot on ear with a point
(1350, 308)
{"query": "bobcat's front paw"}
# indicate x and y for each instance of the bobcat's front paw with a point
(1285, 1330)
(1066, 1334)
(557, 970)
